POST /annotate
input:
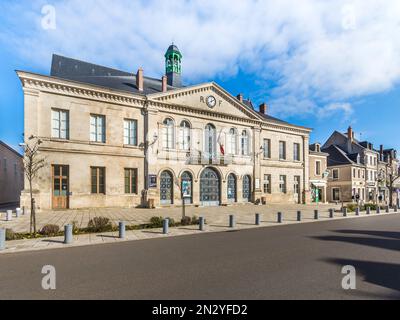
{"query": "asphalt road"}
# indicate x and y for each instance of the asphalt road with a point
(301, 261)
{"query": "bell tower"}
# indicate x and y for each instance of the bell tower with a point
(173, 70)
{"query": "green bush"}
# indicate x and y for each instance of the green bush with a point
(156, 222)
(100, 224)
(352, 207)
(186, 221)
(370, 205)
(75, 228)
(10, 235)
(195, 220)
(50, 230)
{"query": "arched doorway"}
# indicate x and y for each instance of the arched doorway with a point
(247, 188)
(232, 195)
(210, 188)
(187, 187)
(166, 188)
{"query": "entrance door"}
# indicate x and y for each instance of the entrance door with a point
(209, 188)
(60, 186)
(166, 186)
(247, 188)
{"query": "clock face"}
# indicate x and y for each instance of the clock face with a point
(211, 101)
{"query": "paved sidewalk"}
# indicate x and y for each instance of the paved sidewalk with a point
(243, 221)
(135, 216)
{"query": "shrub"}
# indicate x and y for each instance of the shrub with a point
(186, 221)
(156, 222)
(99, 224)
(10, 235)
(352, 207)
(50, 230)
(75, 228)
(195, 220)
(172, 222)
(370, 205)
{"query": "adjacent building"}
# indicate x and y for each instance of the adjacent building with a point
(318, 174)
(11, 175)
(358, 172)
(118, 139)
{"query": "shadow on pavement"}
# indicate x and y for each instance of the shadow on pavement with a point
(381, 274)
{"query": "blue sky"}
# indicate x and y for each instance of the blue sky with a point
(325, 65)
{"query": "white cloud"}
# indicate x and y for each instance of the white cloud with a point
(345, 110)
(317, 52)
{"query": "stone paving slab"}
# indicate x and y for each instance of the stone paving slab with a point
(243, 222)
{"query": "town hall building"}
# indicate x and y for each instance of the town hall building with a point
(112, 138)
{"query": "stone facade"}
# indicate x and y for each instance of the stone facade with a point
(318, 174)
(11, 174)
(199, 134)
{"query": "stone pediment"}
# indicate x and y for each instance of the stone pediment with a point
(209, 97)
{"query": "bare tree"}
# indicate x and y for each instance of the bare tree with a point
(392, 178)
(32, 164)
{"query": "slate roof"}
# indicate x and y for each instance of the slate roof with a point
(11, 149)
(337, 156)
(80, 71)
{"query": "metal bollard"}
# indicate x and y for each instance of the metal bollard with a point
(258, 220)
(201, 224)
(357, 211)
(299, 216)
(344, 212)
(378, 210)
(280, 218)
(232, 222)
(395, 209)
(23, 211)
(368, 210)
(68, 234)
(2, 239)
(122, 229)
(9, 215)
(331, 213)
(165, 226)
(387, 209)
(316, 215)
(398, 203)
(18, 212)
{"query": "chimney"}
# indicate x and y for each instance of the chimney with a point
(381, 152)
(350, 134)
(164, 84)
(240, 97)
(139, 79)
(263, 108)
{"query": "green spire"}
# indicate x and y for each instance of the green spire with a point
(173, 60)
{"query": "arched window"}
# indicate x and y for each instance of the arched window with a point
(168, 136)
(184, 136)
(244, 143)
(232, 143)
(210, 141)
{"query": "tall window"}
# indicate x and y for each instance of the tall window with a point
(296, 186)
(131, 181)
(335, 174)
(296, 152)
(184, 136)
(282, 184)
(318, 168)
(210, 141)
(98, 180)
(130, 132)
(60, 124)
(267, 148)
(245, 143)
(232, 141)
(336, 194)
(282, 150)
(168, 133)
(267, 183)
(98, 128)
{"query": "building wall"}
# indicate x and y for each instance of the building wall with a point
(80, 154)
(11, 175)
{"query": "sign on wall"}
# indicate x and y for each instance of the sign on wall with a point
(152, 181)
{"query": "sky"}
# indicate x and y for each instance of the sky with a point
(324, 64)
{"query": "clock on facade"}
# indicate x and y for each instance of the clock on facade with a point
(211, 101)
